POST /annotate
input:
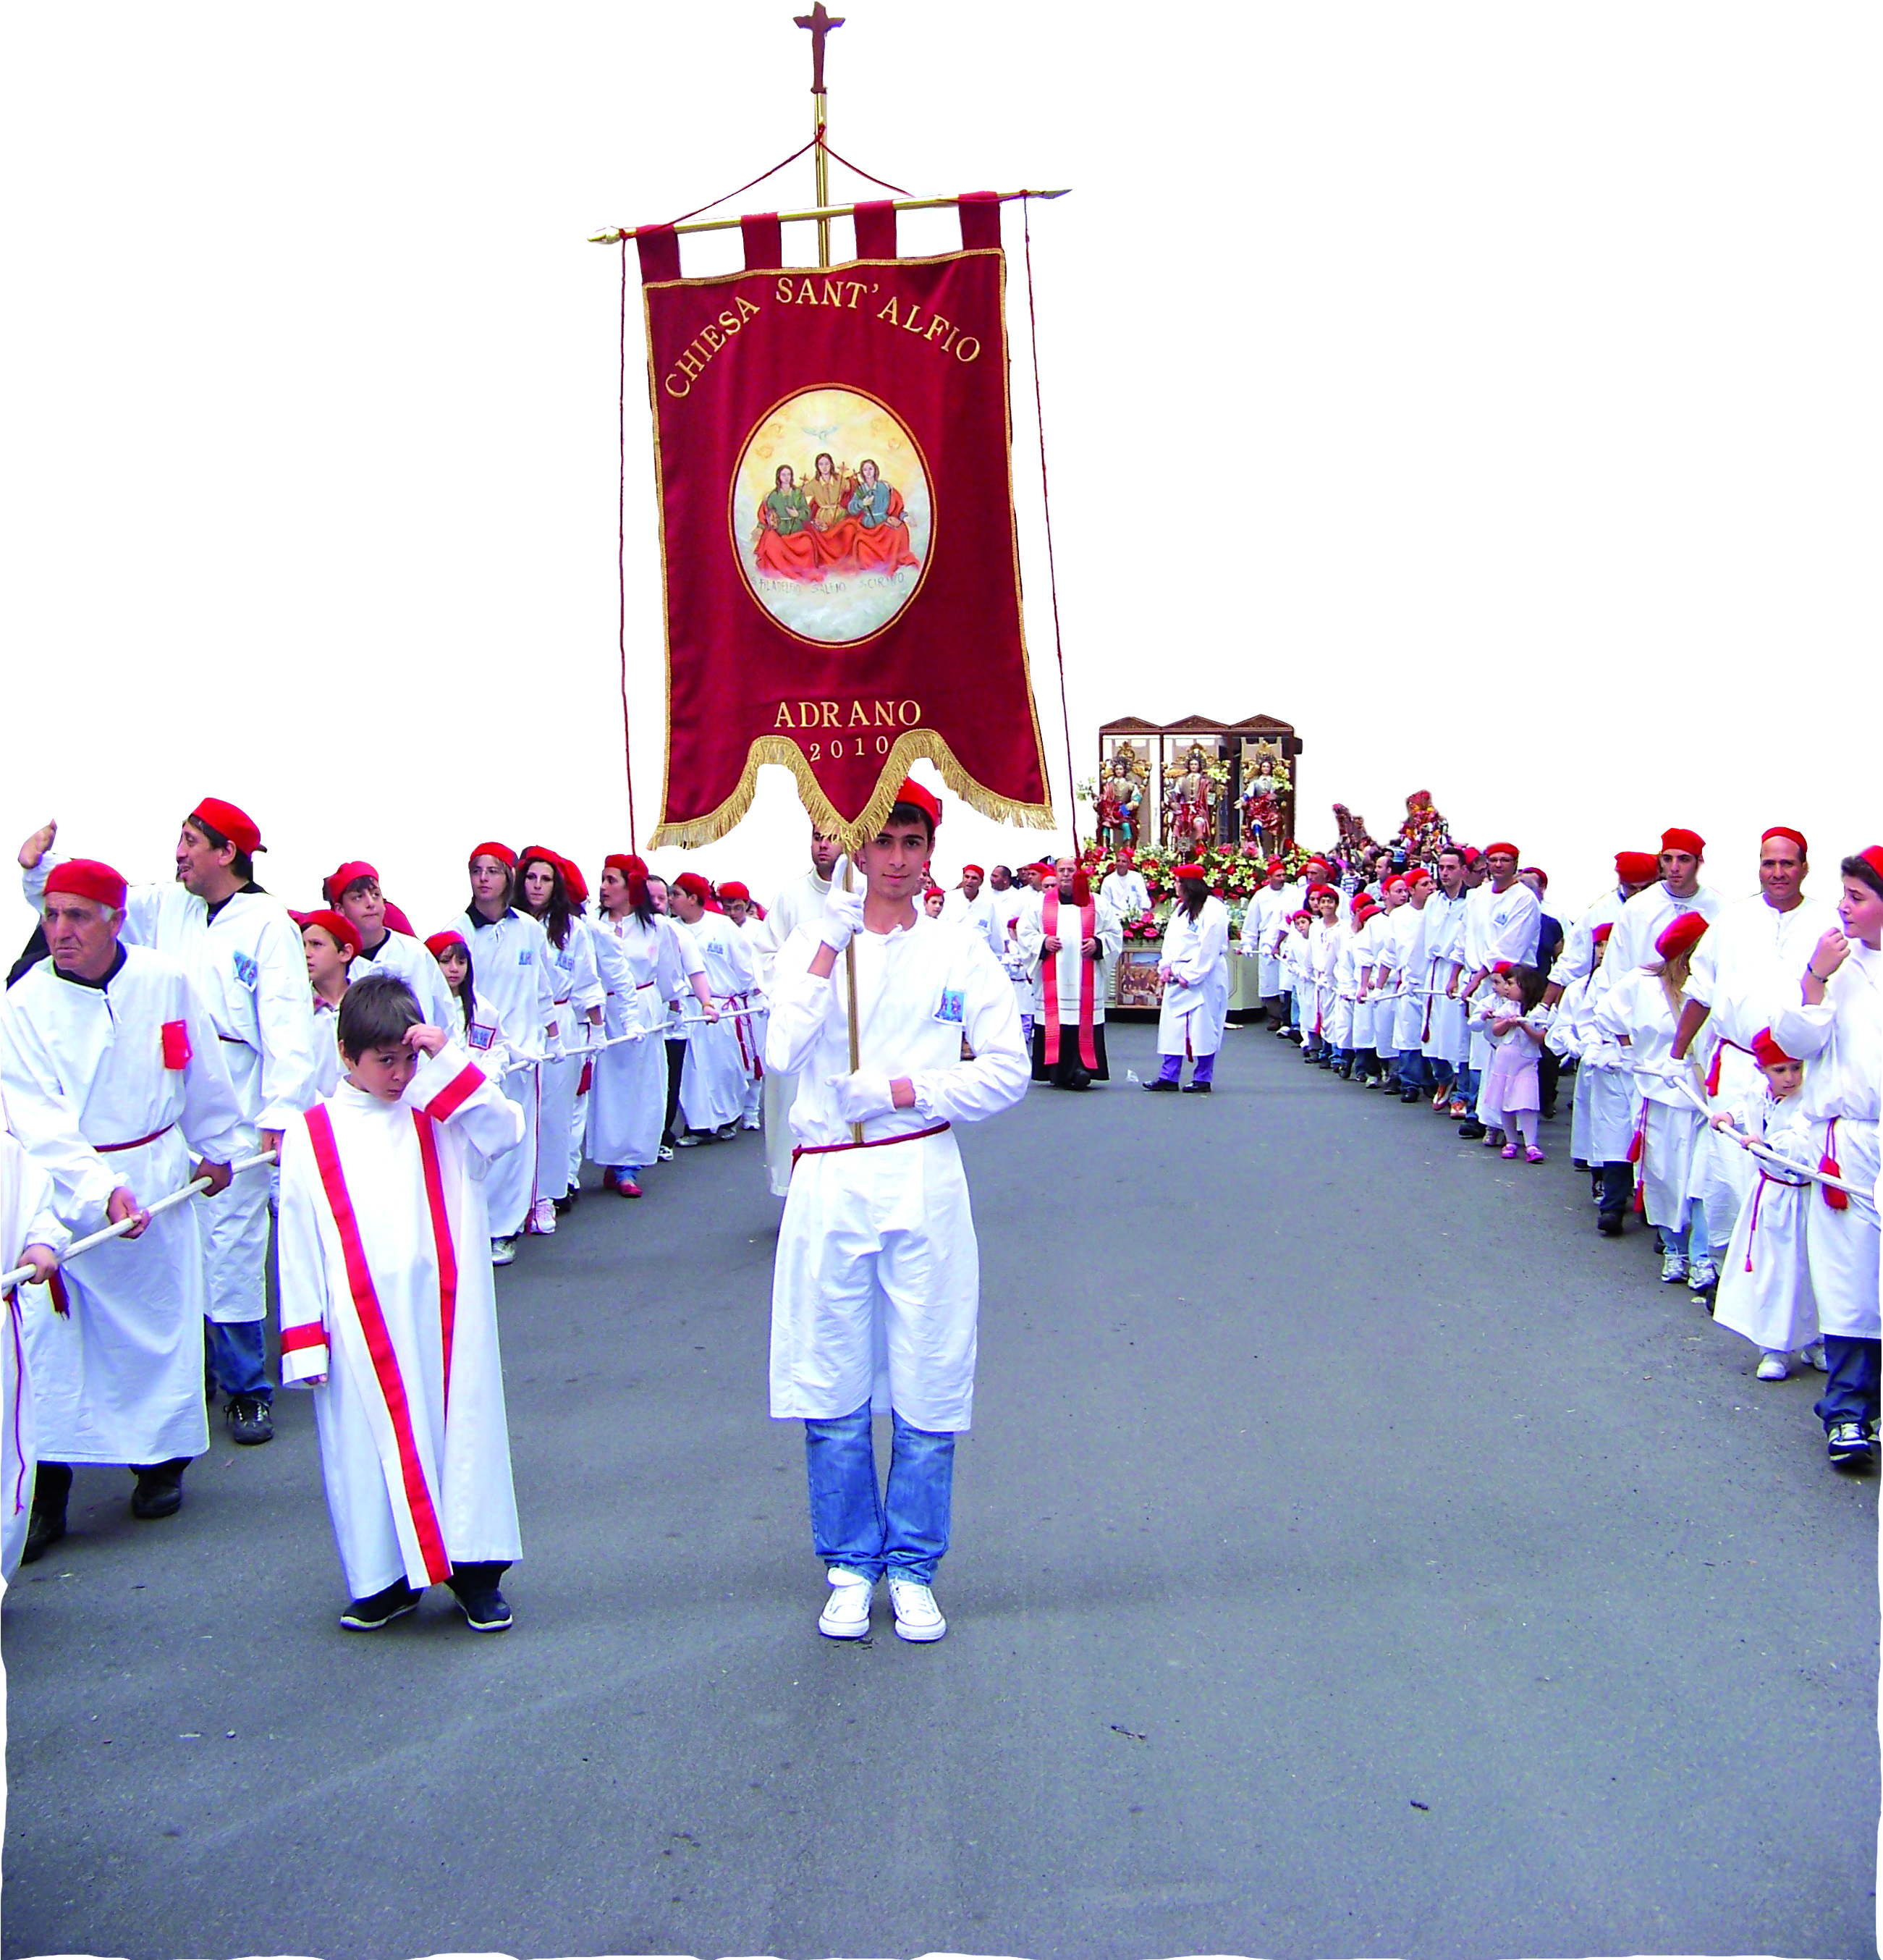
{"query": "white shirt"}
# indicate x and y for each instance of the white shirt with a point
(1752, 962)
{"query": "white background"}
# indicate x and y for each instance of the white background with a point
(1491, 391)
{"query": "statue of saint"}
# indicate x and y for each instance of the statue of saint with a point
(1117, 805)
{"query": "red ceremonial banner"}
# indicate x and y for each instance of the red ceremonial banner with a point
(838, 550)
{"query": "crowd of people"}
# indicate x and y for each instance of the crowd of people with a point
(388, 1117)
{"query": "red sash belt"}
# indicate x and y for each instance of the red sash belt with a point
(1838, 1201)
(869, 1143)
(137, 1144)
(1713, 1072)
(1049, 982)
(750, 1059)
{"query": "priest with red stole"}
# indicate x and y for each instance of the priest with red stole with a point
(1065, 940)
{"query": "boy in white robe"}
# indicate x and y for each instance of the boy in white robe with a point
(876, 1293)
(30, 1235)
(109, 1062)
(388, 1312)
(353, 890)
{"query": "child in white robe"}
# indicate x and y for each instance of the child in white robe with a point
(1765, 1290)
(331, 942)
(388, 1311)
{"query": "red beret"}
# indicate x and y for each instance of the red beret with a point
(912, 792)
(1275, 864)
(439, 941)
(1502, 965)
(398, 922)
(626, 863)
(1399, 878)
(1471, 853)
(1418, 874)
(1873, 857)
(1636, 867)
(541, 851)
(1601, 934)
(694, 886)
(733, 888)
(974, 869)
(572, 877)
(1684, 840)
(1508, 850)
(87, 878)
(338, 928)
(1680, 935)
(1764, 1048)
(1798, 838)
(224, 819)
(1307, 915)
(1536, 872)
(501, 852)
(1189, 871)
(333, 886)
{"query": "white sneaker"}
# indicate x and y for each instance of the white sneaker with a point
(917, 1618)
(1702, 1272)
(752, 1123)
(542, 1216)
(1772, 1367)
(1813, 1356)
(846, 1614)
(503, 1250)
(1673, 1268)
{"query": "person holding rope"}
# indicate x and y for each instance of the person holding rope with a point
(112, 1070)
(243, 953)
(720, 1056)
(876, 1293)
(1834, 1025)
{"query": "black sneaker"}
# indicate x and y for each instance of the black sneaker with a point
(44, 1530)
(487, 1612)
(159, 1489)
(1608, 1223)
(250, 1420)
(1471, 1130)
(368, 1616)
(1159, 1086)
(1196, 1089)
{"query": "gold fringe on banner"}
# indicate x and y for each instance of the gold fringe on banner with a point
(915, 743)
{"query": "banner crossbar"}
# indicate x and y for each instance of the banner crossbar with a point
(823, 214)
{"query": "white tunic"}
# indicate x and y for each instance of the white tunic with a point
(1069, 962)
(577, 992)
(1263, 922)
(876, 1292)
(88, 1093)
(719, 1056)
(26, 1218)
(386, 1291)
(1408, 930)
(1577, 959)
(799, 904)
(1125, 892)
(510, 958)
(627, 1102)
(1603, 1117)
(1631, 944)
(1670, 1120)
(1443, 1028)
(1841, 1041)
(1193, 1016)
(979, 914)
(1765, 1290)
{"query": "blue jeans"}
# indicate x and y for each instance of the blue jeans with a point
(238, 1357)
(904, 1530)
(1851, 1366)
(1466, 1086)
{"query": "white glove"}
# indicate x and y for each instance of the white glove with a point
(842, 918)
(863, 1097)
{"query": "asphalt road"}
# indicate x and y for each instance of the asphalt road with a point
(1355, 1555)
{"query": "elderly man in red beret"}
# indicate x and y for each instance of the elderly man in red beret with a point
(243, 951)
(112, 1070)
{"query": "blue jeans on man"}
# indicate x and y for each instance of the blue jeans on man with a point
(237, 1353)
(854, 1525)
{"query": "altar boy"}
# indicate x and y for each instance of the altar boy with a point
(388, 1311)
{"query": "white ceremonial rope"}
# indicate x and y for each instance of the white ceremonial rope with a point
(21, 1274)
(1752, 1143)
(640, 1034)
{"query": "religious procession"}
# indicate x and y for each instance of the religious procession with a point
(1100, 1364)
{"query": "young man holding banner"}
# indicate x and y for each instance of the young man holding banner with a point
(877, 1289)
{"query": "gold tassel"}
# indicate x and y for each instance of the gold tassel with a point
(692, 832)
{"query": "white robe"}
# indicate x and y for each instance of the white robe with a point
(249, 968)
(613, 977)
(399, 953)
(1443, 1027)
(627, 1104)
(1407, 931)
(1264, 920)
(1841, 1041)
(1765, 1290)
(1107, 928)
(386, 1291)
(575, 992)
(719, 1056)
(1576, 961)
(978, 913)
(511, 961)
(799, 903)
(1639, 923)
(1193, 1017)
(82, 1069)
(26, 1218)
(1602, 1116)
(1670, 1122)
(758, 945)
(876, 1292)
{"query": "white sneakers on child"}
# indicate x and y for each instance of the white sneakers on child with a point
(1813, 1357)
(542, 1216)
(1673, 1268)
(846, 1614)
(1772, 1366)
(1702, 1274)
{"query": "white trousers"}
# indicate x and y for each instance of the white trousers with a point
(510, 1182)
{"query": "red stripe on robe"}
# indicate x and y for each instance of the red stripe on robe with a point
(441, 1240)
(455, 1093)
(379, 1345)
